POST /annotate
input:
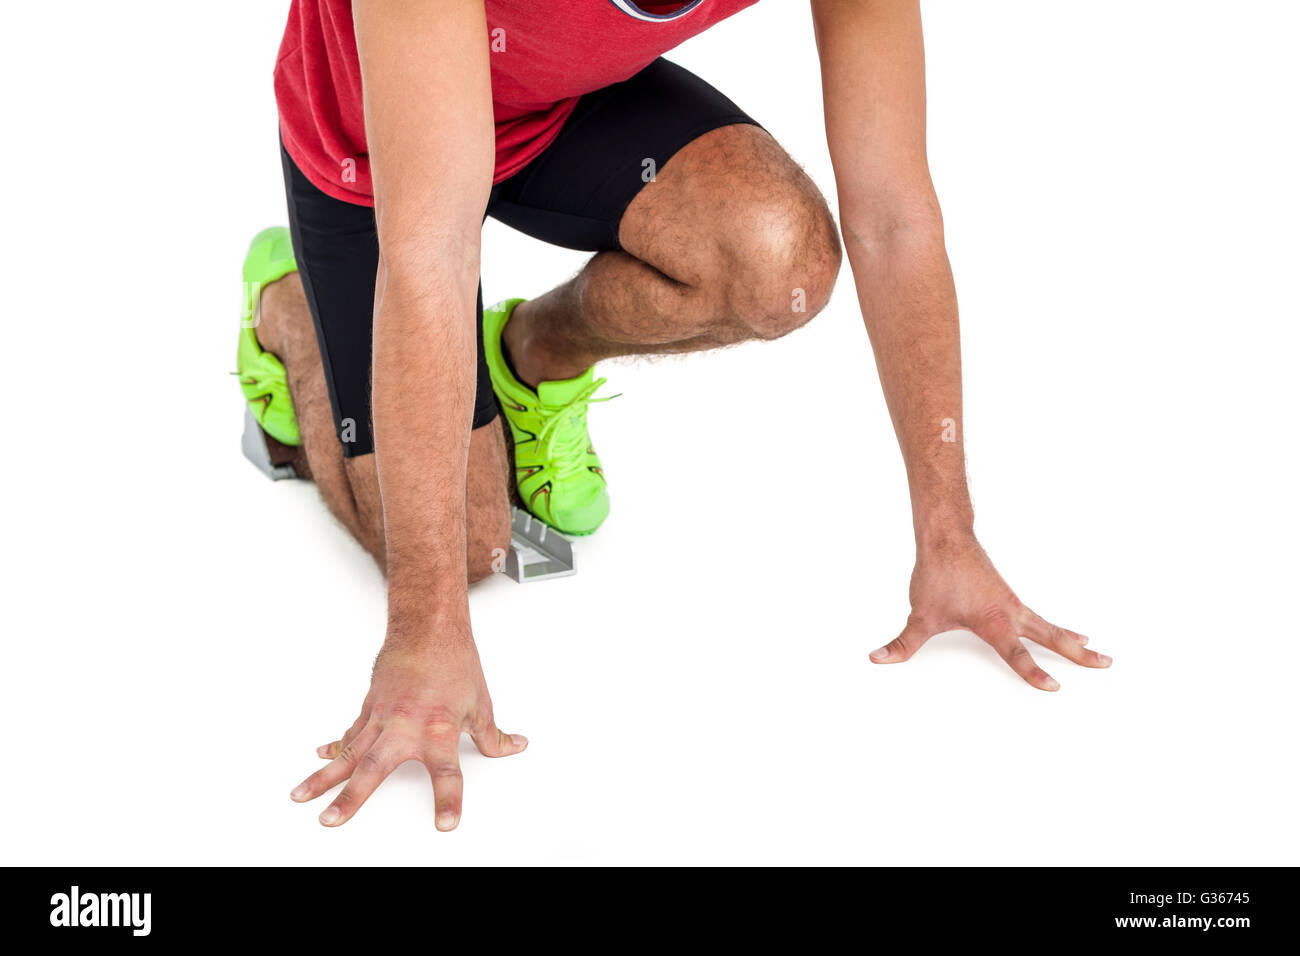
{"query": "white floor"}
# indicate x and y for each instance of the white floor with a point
(179, 634)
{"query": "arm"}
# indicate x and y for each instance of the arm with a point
(428, 106)
(428, 110)
(873, 80)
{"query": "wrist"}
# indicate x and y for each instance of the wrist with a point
(941, 508)
(424, 659)
(936, 534)
(425, 649)
(427, 617)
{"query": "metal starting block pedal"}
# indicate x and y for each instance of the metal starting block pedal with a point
(256, 450)
(537, 551)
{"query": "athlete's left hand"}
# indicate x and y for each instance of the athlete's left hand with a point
(957, 588)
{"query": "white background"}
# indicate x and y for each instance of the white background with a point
(1119, 183)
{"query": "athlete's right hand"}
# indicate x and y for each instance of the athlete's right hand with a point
(419, 704)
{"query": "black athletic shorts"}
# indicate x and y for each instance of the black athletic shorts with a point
(572, 195)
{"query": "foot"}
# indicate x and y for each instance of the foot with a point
(261, 374)
(558, 473)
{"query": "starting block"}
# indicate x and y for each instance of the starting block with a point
(537, 551)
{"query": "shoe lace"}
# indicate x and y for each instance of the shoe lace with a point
(565, 433)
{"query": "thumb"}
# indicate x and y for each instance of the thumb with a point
(903, 646)
(491, 741)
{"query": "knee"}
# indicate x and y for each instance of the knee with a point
(782, 263)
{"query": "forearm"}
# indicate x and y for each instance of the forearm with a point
(873, 79)
(428, 108)
(423, 388)
(908, 301)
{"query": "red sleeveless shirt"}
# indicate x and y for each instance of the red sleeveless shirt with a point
(545, 54)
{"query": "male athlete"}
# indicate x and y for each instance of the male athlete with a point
(378, 373)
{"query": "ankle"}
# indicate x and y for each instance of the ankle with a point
(276, 299)
(530, 356)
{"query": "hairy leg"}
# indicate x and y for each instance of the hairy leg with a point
(731, 242)
(350, 486)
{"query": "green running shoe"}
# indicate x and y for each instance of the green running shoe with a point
(556, 469)
(261, 374)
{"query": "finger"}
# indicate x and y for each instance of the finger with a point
(1066, 643)
(1036, 625)
(338, 769)
(903, 646)
(331, 750)
(381, 759)
(1019, 659)
(442, 758)
(997, 630)
(491, 741)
